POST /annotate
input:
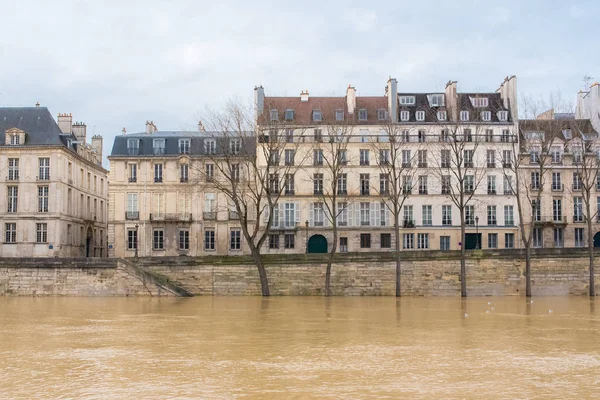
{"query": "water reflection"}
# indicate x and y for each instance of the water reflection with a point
(303, 347)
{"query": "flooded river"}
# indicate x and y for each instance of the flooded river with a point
(299, 347)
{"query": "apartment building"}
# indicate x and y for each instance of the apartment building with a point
(55, 190)
(162, 196)
(426, 123)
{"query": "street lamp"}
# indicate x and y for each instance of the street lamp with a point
(306, 225)
(477, 231)
(137, 240)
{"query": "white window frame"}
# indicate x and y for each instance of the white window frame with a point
(404, 115)
(420, 115)
(407, 100)
(464, 115)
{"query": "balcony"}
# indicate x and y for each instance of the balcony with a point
(491, 165)
(469, 164)
(534, 187)
(558, 188)
(364, 162)
(576, 188)
(318, 163)
(158, 151)
(289, 192)
(506, 165)
(577, 218)
(406, 165)
(446, 190)
(550, 220)
(408, 223)
(406, 191)
(284, 225)
(365, 192)
(491, 192)
(12, 178)
(422, 165)
(209, 215)
(90, 217)
(508, 192)
(171, 217)
(132, 215)
(133, 151)
(233, 215)
(43, 177)
(422, 191)
(289, 163)
(342, 192)
(132, 179)
(183, 179)
(158, 180)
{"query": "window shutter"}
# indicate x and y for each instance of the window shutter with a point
(354, 215)
(311, 218)
(297, 210)
(266, 214)
(281, 211)
(387, 215)
(374, 213)
(326, 217)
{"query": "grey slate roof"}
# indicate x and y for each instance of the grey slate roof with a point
(495, 104)
(146, 147)
(37, 122)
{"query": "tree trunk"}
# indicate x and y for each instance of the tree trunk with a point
(528, 270)
(329, 263)
(463, 256)
(398, 261)
(591, 253)
(262, 273)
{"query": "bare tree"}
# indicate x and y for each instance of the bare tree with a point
(246, 169)
(396, 160)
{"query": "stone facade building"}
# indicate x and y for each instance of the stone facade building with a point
(54, 189)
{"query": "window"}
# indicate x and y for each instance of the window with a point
(468, 157)
(209, 240)
(444, 243)
(274, 183)
(364, 135)
(577, 155)
(470, 215)
(273, 115)
(318, 135)
(365, 214)
(559, 237)
(341, 184)
(364, 184)
(318, 184)
(381, 114)
(289, 185)
(422, 158)
(479, 101)
(209, 171)
(316, 114)
(486, 115)
(406, 159)
(445, 158)
(408, 241)
(384, 184)
(423, 240)
(492, 240)
(15, 139)
(274, 158)
(422, 184)
(506, 158)
(384, 156)
(13, 196)
(491, 215)
(385, 241)
(342, 217)
(133, 147)
(318, 214)
(557, 210)
(407, 100)
(509, 240)
(405, 136)
(447, 215)
(158, 239)
(421, 136)
(404, 115)
(289, 136)
(491, 184)
(467, 135)
(289, 115)
(343, 245)
(464, 115)
(420, 115)
(289, 240)
(290, 214)
(446, 184)
(436, 100)
(503, 116)
(235, 172)
(441, 115)
(342, 157)
(158, 147)
(408, 222)
(289, 156)
(235, 145)
(318, 157)
(508, 185)
(274, 241)
(183, 172)
(13, 169)
(444, 136)
(184, 146)
(41, 233)
(576, 181)
(556, 155)
(184, 240)
(132, 173)
(365, 240)
(469, 184)
(235, 239)
(10, 230)
(426, 215)
(538, 238)
(577, 209)
(406, 185)
(158, 173)
(383, 214)
(489, 135)
(339, 115)
(556, 182)
(210, 146)
(43, 198)
(535, 180)
(131, 239)
(44, 169)
(536, 209)
(579, 240)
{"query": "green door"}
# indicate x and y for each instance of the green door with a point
(317, 244)
(471, 241)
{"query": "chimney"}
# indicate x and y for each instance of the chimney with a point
(97, 146)
(124, 131)
(304, 96)
(452, 100)
(508, 92)
(351, 99)
(64, 123)
(391, 91)
(259, 100)
(79, 130)
(150, 127)
(201, 127)
(37, 105)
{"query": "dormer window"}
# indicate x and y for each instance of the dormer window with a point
(362, 114)
(289, 115)
(464, 115)
(381, 114)
(567, 134)
(235, 146)
(479, 101)
(407, 100)
(502, 115)
(158, 147)
(486, 115)
(133, 147)
(420, 115)
(274, 115)
(184, 146)
(435, 100)
(404, 115)
(441, 115)
(317, 116)
(210, 146)
(339, 115)
(15, 139)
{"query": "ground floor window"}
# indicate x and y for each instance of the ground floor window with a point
(423, 240)
(445, 243)
(509, 240)
(158, 239)
(537, 238)
(343, 245)
(274, 241)
(559, 237)
(184, 240)
(235, 240)
(289, 240)
(11, 232)
(209, 239)
(408, 241)
(365, 240)
(386, 240)
(579, 241)
(492, 240)
(41, 235)
(132, 239)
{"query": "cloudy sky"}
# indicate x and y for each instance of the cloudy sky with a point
(116, 64)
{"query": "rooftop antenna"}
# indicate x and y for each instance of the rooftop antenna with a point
(586, 81)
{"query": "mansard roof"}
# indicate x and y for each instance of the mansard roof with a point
(37, 122)
(495, 104)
